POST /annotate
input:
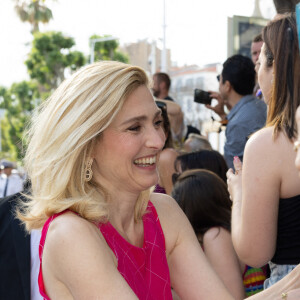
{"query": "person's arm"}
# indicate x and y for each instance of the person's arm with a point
(220, 253)
(166, 168)
(192, 277)
(173, 108)
(255, 192)
(77, 261)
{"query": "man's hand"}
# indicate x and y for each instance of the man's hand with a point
(219, 108)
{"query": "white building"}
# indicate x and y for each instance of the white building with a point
(184, 81)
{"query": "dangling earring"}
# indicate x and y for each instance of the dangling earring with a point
(88, 170)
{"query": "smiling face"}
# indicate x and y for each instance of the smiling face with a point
(126, 153)
(265, 75)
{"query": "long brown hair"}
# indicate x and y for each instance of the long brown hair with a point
(204, 198)
(282, 51)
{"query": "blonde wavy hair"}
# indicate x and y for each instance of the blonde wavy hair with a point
(62, 136)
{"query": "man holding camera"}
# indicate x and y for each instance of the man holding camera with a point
(247, 114)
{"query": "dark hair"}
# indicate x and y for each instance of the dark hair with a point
(239, 70)
(204, 198)
(258, 38)
(163, 77)
(282, 52)
(285, 6)
(204, 159)
(166, 127)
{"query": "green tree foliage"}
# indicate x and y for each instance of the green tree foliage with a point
(33, 12)
(51, 57)
(18, 101)
(108, 50)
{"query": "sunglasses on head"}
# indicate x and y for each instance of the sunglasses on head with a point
(175, 177)
(161, 104)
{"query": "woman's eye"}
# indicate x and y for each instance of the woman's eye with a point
(158, 123)
(135, 128)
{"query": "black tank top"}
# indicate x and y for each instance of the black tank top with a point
(288, 232)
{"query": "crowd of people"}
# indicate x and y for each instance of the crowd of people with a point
(124, 200)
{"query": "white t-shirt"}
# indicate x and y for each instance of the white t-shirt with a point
(35, 264)
(14, 184)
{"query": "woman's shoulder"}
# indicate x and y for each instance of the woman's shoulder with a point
(163, 204)
(171, 217)
(264, 140)
(263, 135)
(69, 223)
(260, 142)
(70, 232)
(76, 246)
(216, 235)
(167, 154)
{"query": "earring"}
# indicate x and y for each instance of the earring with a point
(88, 170)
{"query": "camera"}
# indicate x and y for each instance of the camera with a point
(202, 97)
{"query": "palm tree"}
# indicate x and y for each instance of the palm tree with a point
(34, 12)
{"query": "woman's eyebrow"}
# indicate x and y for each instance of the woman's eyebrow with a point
(141, 118)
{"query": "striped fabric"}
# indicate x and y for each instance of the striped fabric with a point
(254, 280)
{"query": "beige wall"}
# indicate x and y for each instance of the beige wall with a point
(140, 54)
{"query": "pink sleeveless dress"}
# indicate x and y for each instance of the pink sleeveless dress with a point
(145, 269)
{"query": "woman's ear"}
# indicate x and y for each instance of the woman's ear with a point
(93, 146)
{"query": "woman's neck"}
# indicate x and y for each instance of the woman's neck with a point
(122, 208)
(122, 218)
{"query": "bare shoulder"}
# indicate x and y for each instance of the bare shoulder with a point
(260, 144)
(168, 154)
(216, 235)
(261, 138)
(217, 240)
(71, 234)
(262, 149)
(165, 205)
(76, 246)
(69, 226)
(172, 219)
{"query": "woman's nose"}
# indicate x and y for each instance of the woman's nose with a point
(156, 138)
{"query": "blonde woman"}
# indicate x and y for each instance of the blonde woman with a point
(92, 156)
